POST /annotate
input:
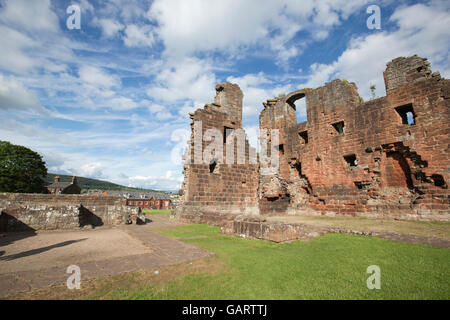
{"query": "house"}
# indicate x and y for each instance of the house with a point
(145, 200)
(58, 187)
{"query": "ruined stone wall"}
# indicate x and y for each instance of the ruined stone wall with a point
(210, 183)
(274, 194)
(22, 212)
(364, 158)
(385, 158)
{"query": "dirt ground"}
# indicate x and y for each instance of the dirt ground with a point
(53, 249)
(98, 288)
(35, 260)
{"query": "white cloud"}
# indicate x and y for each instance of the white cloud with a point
(192, 26)
(252, 133)
(154, 108)
(257, 89)
(164, 116)
(300, 107)
(54, 162)
(422, 30)
(22, 53)
(31, 15)
(91, 170)
(15, 96)
(85, 6)
(138, 36)
(188, 107)
(12, 57)
(126, 10)
(122, 103)
(190, 78)
(27, 134)
(110, 27)
(208, 25)
(166, 182)
(97, 78)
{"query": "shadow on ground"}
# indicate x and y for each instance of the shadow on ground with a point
(12, 229)
(40, 250)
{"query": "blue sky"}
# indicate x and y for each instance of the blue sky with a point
(111, 100)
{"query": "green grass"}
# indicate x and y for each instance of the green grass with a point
(154, 211)
(328, 267)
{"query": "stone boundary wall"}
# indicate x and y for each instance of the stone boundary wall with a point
(30, 212)
(279, 232)
(253, 227)
(258, 228)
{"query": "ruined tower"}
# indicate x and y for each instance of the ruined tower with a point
(211, 184)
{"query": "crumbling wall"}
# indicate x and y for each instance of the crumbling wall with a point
(211, 184)
(385, 158)
(26, 212)
(259, 228)
(365, 158)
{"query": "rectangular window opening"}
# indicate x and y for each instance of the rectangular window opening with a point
(406, 114)
(298, 167)
(339, 127)
(303, 137)
(281, 148)
(226, 132)
(212, 166)
(351, 160)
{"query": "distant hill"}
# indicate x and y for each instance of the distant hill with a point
(94, 184)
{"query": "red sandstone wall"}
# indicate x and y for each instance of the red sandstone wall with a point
(401, 170)
(398, 166)
(231, 188)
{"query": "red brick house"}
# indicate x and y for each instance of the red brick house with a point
(145, 200)
(58, 187)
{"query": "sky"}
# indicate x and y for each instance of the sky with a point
(111, 99)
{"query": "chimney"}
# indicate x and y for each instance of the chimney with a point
(74, 180)
(56, 179)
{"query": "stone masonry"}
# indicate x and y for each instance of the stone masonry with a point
(210, 185)
(385, 158)
(32, 212)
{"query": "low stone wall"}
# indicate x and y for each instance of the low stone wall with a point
(257, 228)
(22, 212)
(208, 217)
(252, 226)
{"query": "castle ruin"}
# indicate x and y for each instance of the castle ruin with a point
(385, 158)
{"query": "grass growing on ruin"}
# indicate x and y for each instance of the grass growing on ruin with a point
(328, 267)
(154, 211)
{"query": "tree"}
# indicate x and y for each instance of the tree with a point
(372, 89)
(361, 100)
(21, 169)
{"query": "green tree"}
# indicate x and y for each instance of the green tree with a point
(372, 89)
(21, 169)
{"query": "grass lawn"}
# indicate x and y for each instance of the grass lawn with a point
(332, 266)
(154, 211)
(419, 228)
